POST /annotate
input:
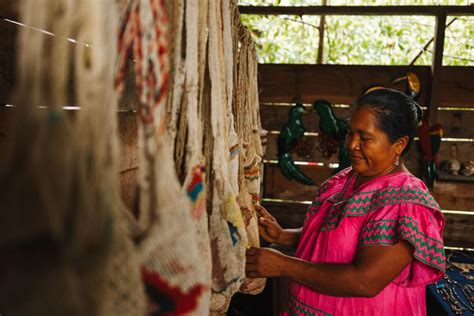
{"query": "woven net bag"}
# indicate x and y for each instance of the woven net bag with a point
(67, 251)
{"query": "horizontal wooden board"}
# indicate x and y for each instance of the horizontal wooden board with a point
(463, 151)
(456, 123)
(454, 188)
(449, 202)
(314, 154)
(342, 84)
(288, 215)
(277, 186)
(457, 232)
(274, 117)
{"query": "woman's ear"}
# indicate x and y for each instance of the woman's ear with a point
(401, 144)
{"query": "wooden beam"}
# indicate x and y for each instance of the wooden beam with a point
(321, 29)
(436, 67)
(357, 10)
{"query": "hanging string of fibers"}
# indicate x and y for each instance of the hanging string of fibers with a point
(177, 77)
(194, 181)
(62, 217)
(246, 109)
(227, 230)
(174, 276)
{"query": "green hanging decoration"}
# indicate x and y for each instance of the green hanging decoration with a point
(332, 133)
(290, 137)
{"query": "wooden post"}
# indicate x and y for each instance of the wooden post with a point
(322, 22)
(437, 64)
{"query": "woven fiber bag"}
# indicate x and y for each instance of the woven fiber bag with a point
(246, 110)
(67, 252)
(227, 229)
(174, 276)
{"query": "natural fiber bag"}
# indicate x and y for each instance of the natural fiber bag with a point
(173, 273)
(227, 230)
(246, 109)
(67, 253)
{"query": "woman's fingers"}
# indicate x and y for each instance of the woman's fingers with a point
(263, 262)
(261, 211)
(265, 222)
(251, 265)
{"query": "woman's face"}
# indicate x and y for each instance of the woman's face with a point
(372, 154)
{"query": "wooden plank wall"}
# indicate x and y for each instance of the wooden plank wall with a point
(280, 84)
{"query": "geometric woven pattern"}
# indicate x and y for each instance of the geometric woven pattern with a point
(295, 307)
(389, 232)
(319, 198)
(363, 203)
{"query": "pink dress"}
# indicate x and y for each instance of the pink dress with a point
(380, 212)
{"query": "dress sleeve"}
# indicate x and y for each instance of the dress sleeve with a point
(422, 227)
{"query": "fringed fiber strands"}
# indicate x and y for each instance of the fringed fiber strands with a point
(194, 181)
(227, 231)
(67, 251)
(246, 109)
(173, 272)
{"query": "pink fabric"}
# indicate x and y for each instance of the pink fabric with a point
(380, 212)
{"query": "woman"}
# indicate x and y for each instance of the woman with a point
(372, 238)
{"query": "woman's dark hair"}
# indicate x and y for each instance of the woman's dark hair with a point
(396, 113)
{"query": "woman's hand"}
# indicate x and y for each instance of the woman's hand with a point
(268, 227)
(263, 263)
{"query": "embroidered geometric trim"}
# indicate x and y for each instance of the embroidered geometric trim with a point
(388, 232)
(313, 208)
(297, 308)
(366, 202)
